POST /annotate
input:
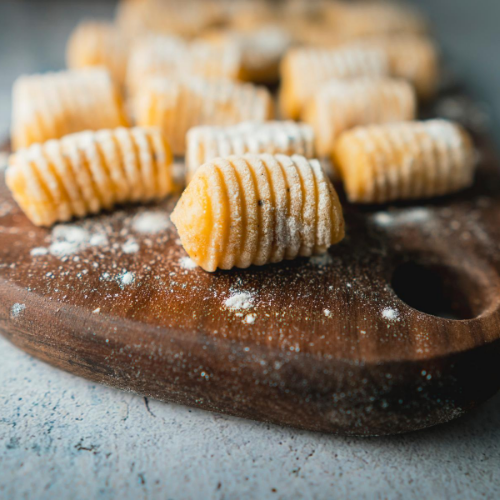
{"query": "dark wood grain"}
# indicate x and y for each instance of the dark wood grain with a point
(332, 347)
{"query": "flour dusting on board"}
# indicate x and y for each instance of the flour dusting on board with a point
(240, 301)
(37, 251)
(321, 260)
(409, 216)
(127, 278)
(250, 318)
(390, 314)
(69, 239)
(150, 222)
(17, 309)
(98, 240)
(130, 246)
(188, 263)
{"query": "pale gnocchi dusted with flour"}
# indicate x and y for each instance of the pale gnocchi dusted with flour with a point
(87, 172)
(381, 163)
(305, 69)
(343, 104)
(178, 104)
(53, 105)
(257, 209)
(207, 142)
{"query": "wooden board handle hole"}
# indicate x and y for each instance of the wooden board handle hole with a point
(441, 290)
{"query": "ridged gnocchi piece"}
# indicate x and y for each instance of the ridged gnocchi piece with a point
(170, 56)
(207, 142)
(96, 43)
(52, 105)
(176, 105)
(305, 70)
(357, 19)
(257, 209)
(413, 58)
(332, 22)
(185, 18)
(87, 172)
(343, 104)
(261, 50)
(381, 163)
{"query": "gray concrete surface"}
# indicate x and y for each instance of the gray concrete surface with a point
(62, 437)
(65, 438)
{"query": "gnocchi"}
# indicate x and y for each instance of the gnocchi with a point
(87, 172)
(381, 163)
(207, 142)
(52, 105)
(257, 209)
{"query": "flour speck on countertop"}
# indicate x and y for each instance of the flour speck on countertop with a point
(240, 301)
(150, 222)
(17, 309)
(327, 313)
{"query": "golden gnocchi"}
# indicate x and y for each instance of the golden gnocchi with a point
(52, 105)
(87, 172)
(169, 56)
(381, 163)
(176, 105)
(261, 50)
(207, 142)
(185, 18)
(413, 58)
(257, 209)
(305, 70)
(357, 19)
(343, 104)
(95, 43)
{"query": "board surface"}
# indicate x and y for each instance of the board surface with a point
(330, 343)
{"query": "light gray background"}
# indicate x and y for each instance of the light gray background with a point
(62, 437)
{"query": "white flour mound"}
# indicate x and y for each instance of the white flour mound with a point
(150, 222)
(187, 263)
(240, 301)
(390, 314)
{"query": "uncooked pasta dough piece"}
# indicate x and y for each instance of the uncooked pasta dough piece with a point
(380, 163)
(257, 209)
(87, 172)
(96, 43)
(170, 56)
(357, 19)
(185, 18)
(305, 70)
(178, 104)
(413, 58)
(261, 50)
(343, 104)
(204, 143)
(52, 105)
(332, 22)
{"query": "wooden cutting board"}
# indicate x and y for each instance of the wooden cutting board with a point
(396, 329)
